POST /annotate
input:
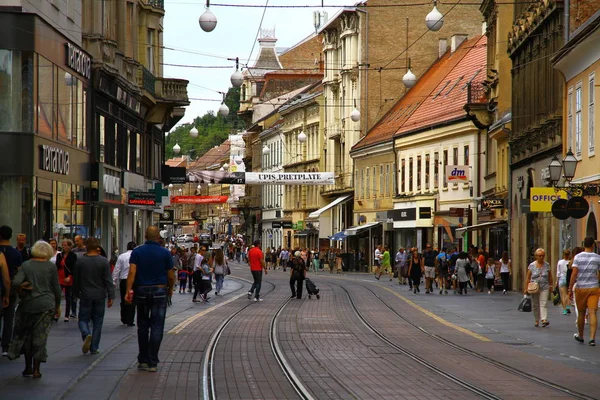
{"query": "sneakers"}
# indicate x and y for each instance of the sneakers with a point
(86, 344)
(95, 352)
(564, 312)
(142, 366)
(152, 369)
(4, 353)
(592, 342)
(489, 292)
(426, 291)
(545, 323)
(255, 299)
(504, 292)
(579, 339)
(249, 295)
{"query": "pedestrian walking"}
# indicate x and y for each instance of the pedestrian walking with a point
(377, 261)
(120, 274)
(415, 270)
(151, 273)
(505, 271)
(220, 267)
(22, 247)
(400, 261)
(12, 260)
(429, 256)
(586, 266)
(66, 263)
(460, 272)
(92, 285)
(79, 250)
(37, 285)
(190, 268)
(297, 275)
(539, 274)
(481, 270)
(339, 262)
(54, 245)
(442, 270)
(197, 274)
(256, 259)
(182, 276)
(205, 279)
(562, 284)
(386, 263)
(490, 274)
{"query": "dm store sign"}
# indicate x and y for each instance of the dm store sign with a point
(458, 173)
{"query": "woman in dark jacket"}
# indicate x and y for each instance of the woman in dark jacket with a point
(65, 264)
(415, 270)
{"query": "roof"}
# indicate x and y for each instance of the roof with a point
(439, 95)
(213, 156)
(177, 161)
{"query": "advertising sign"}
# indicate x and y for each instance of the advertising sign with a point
(458, 173)
(541, 198)
(198, 199)
(141, 199)
(290, 178)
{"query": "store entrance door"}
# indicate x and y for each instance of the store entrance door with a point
(44, 219)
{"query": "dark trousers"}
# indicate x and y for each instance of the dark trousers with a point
(8, 316)
(91, 311)
(256, 285)
(505, 279)
(127, 310)
(197, 283)
(69, 301)
(151, 303)
(296, 283)
(182, 284)
(462, 286)
(490, 283)
(190, 282)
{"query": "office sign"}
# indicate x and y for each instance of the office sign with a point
(199, 199)
(54, 159)
(141, 199)
(541, 198)
(458, 173)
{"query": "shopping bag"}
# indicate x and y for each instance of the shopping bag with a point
(395, 273)
(556, 296)
(525, 304)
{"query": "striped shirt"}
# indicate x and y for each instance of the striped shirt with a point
(587, 265)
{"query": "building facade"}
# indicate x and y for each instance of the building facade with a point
(273, 196)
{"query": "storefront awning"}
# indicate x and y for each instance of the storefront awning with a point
(339, 200)
(484, 225)
(355, 230)
(338, 236)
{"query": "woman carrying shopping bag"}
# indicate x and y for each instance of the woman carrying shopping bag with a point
(537, 284)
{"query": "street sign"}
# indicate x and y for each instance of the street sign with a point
(141, 199)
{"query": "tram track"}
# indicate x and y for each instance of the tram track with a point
(507, 368)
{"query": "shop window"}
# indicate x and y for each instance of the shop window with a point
(64, 118)
(138, 153)
(68, 216)
(403, 177)
(410, 174)
(45, 114)
(16, 91)
(102, 137)
(150, 50)
(80, 111)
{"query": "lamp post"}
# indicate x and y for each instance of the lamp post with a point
(566, 169)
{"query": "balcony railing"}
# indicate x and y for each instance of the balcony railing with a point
(477, 93)
(173, 90)
(147, 80)
(157, 3)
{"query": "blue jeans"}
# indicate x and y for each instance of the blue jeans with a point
(219, 278)
(151, 302)
(91, 310)
(257, 275)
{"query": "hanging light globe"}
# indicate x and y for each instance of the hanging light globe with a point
(194, 132)
(266, 150)
(409, 79)
(226, 165)
(434, 20)
(355, 115)
(302, 137)
(224, 110)
(176, 148)
(207, 21)
(237, 79)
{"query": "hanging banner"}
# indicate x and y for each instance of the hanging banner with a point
(218, 177)
(237, 149)
(198, 199)
(290, 178)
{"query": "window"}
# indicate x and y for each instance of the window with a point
(466, 151)
(362, 183)
(101, 133)
(444, 165)
(455, 156)
(150, 50)
(45, 114)
(138, 152)
(578, 119)
(436, 169)
(403, 176)
(418, 173)
(387, 179)
(395, 192)
(381, 180)
(591, 116)
(128, 164)
(410, 174)
(427, 171)
(117, 161)
(570, 118)
(129, 29)
(367, 182)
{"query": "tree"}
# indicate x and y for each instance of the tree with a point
(212, 130)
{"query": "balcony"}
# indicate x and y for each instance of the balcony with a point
(172, 90)
(157, 3)
(146, 80)
(477, 106)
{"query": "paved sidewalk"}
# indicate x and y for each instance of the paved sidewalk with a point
(496, 317)
(67, 372)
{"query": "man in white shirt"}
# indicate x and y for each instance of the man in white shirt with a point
(120, 274)
(586, 266)
(377, 261)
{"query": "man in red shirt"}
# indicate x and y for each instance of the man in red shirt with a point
(256, 259)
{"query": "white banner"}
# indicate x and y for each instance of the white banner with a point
(290, 178)
(458, 173)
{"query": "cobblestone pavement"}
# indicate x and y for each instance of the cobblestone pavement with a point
(364, 339)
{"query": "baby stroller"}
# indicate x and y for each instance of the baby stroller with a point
(312, 289)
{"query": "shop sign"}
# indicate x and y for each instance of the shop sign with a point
(424, 212)
(166, 217)
(457, 212)
(199, 199)
(276, 224)
(458, 173)
(235, 220)
(112, 185)
(173, 175)
(541, 198)
(288, 225)
(312, 178)
(79, 61)
(559, 209)
(492, 204)
(54, 159)
(578, 207)
(141, 199)
(406, 214)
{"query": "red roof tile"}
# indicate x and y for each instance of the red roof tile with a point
(439, 95)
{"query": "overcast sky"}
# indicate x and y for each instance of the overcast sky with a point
(233, 37)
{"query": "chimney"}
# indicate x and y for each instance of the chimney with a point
(483, 28)
(456, 40)
(443, 46)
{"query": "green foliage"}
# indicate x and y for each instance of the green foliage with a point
(212, 130)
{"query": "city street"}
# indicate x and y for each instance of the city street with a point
(362, 339)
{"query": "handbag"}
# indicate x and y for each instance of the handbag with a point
(395, 273)
(525, 304)
(533, 288)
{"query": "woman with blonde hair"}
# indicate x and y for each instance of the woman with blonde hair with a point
(220, 267)
(37, 285)
(561, 277)
(539, 274)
